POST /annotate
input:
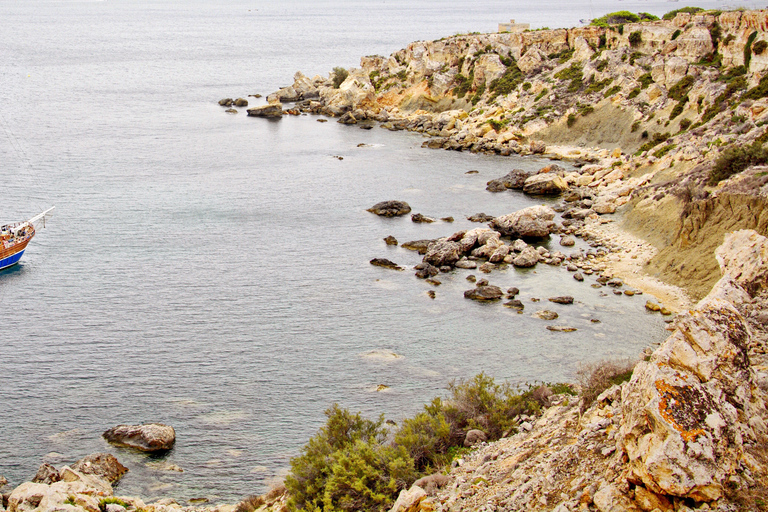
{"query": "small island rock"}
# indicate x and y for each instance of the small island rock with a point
(390, 208)
(150, 437)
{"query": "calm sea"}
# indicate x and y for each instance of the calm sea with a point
(210, 271)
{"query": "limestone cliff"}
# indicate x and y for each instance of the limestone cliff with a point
(660, 108)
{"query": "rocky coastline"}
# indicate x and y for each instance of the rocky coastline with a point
(640, 122)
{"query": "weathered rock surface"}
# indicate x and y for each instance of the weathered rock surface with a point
(484, 293)
(273, 110)
(442, 252)
(149, 437)
(390, 208)
(531, 222)
(545, 184)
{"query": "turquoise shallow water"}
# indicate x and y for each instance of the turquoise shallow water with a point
(211, 271)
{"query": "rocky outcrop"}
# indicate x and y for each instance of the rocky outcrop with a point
(148, 437)
(273, 110)
(531, 222)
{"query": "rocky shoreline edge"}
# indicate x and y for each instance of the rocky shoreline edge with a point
(688, 431)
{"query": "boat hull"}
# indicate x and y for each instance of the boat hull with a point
(11, 255)
(11, 260)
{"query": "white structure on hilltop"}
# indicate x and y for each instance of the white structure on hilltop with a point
(514, 27)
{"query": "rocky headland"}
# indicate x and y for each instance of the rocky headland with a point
(659, 127)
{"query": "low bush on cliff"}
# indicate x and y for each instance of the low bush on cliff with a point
(622, 17)
(353, 463)
(690, 10)
(596, 377)
(339, 75)
(736, 159)
(348, 466)
(507, 82)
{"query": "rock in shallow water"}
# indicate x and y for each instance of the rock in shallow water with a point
(389, 208)
(150, 437)
(484, 293)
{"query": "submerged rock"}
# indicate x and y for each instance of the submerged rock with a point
(383, 262)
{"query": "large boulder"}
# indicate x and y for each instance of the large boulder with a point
(547, 183)
(390, 208)
(442, 252)
(527, 258)
(484, 293)
(270, 110)
(532, 222)
(356, 91)
(149, 437)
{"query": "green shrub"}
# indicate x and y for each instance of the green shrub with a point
(646, 16)
(715, 32)
(663, 151)
(645, 80)
(507, 82)
(527, 86)
(689, 10)
(572, 73)
(678, 108)
(602, 41)
(676, 34)
(346, 466)
(759, 47)
(571, 120)
(681, 88)
(657, 139)
(599, 86)
(634, 93)
(635, 126)
(736, 159)
(339, 75)
(684, 124)
(613, 90)
(635, 38)
(616, 18)
(543, 93)
(601, 65)
(427, 438)
(463, 84)
(478, 94)
(748, 49)
(759, 91)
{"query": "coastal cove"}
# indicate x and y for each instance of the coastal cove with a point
(211, 271)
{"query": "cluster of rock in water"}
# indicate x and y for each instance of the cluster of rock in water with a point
(485, 249)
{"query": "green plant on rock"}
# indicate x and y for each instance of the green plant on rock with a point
(675, 34)
(574, 74)
(681, 88)
(759, 47)
(635, 38)
(571, 120)
(748, 49)
(613, 90)
(543, 93)
(111, 500)
(736, 159)
(616, 18)
(678, 108)
(463, 84)
(597, 377)
(507, 82)
(339, 75)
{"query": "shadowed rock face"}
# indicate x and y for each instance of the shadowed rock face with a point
(152, 437)
(103, 465)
